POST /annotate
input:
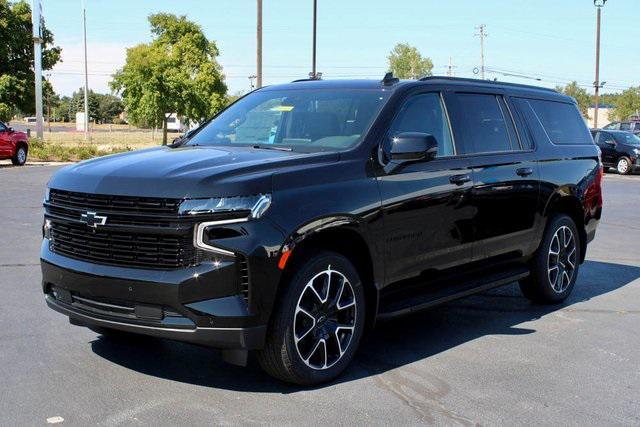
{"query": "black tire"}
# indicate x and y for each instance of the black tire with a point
(540, 286)
(20, 157)
(282, 356)
(623, 166)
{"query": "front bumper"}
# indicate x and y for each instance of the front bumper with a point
(200, 305)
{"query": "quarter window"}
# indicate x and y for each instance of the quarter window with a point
(425, 114)
(562, 122)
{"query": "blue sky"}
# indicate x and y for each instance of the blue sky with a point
(548, 39)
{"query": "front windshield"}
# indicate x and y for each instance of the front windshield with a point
(627, 138)
(299, 119)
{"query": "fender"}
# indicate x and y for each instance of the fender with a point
(341, 223)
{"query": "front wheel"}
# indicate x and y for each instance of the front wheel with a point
(554, 268)
(20, 157)
(318, 323)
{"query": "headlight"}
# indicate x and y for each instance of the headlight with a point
(254, 206)
(637, 151)
(46, 195)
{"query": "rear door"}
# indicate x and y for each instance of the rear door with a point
(505, 172)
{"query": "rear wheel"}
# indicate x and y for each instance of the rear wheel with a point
(555, 266)
(20, 156)
(317, 326)
(623, 166)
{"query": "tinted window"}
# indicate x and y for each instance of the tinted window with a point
(625, 126)
(484, 124)
(425, 114)
(562, 122)
(2, 127)
(628, 138)
(604, 138)
(305, 119)
(613, 125)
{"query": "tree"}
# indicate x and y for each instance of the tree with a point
(627, 104)
(176, 73)
(407, 63)
(17, 79)
(579, 94)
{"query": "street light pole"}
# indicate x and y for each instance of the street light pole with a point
(86, 73)
(596, 84)
(36, 16)
(259, 46)
(315, 20)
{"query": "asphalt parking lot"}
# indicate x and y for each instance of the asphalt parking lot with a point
(489, 359)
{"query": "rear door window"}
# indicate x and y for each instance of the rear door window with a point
(625, 126)
(484, 123)
(561, 121)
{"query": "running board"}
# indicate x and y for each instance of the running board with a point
(395, 307)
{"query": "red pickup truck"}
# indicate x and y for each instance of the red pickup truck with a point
(13, 145)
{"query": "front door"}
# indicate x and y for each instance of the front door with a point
(607, 144)
(5, 141)
(427, 216)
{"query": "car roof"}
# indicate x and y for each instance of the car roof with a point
(393, 85)
(615, 131)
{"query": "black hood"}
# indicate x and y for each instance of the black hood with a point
(182, 172)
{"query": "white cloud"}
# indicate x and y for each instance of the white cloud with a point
(103, 60)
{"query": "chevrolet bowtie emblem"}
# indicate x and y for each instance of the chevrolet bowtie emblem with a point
(93, 220)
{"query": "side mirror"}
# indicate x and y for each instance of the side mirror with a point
(410, 147)
(10, 129)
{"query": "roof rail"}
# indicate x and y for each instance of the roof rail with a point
(468, 80)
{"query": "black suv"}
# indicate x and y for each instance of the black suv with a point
(620, 150)
(630, 126)
(305, 212)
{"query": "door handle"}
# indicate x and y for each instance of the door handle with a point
(459, 179)
(524, 171)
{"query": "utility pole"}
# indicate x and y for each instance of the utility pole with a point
(36, 17)
(596, 84)
(314, 73)
(86, 73)
(259, 46)
(450, 68)
(482, 34)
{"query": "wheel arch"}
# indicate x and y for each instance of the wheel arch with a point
(343, 236)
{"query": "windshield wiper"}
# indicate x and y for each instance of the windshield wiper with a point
(273, 147)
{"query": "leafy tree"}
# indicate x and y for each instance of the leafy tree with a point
(627, 104)
(17, 80)
(406, 62)
(579, 94)
(176, 73)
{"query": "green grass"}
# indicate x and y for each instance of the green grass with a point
(56, 152)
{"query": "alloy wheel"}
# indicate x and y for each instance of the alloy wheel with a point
(21, 155)
(325, 319)
(561, 261)
(623, 166)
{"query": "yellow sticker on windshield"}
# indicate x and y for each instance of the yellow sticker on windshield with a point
(282, 108)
